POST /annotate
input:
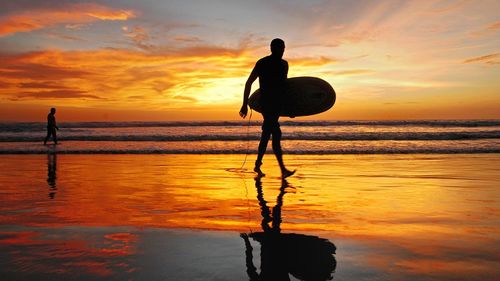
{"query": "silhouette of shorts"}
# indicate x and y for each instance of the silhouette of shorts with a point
(270, 123)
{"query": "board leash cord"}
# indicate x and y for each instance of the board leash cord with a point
(248, 140)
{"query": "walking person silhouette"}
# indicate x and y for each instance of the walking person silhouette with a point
(51, 126)
(272, 72)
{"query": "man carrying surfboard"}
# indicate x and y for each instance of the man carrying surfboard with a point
(272, 72)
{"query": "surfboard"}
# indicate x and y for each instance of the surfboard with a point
(303, 96)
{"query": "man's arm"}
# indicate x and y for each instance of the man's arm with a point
(286, 77)
(246, 93)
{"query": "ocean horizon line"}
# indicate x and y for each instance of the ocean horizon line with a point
(423, 122)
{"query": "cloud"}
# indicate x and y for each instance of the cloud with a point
(494, 26)
(312, 61)
(488, 59)
(353, 72)
(4, 84)
(58, 35)
(139, 36)
(486, 30)
(69, 14)
(75, 26)
(51, 90)
(57, 94)
(187, 99)
(188, 39)
(445, 7)
(38, 71)
(167, 78)
(137, 97)
(210, 51)
(39, 85)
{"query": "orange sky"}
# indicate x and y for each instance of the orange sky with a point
(186, 60)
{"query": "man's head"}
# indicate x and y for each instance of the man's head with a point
(53, 110)
(277, 47)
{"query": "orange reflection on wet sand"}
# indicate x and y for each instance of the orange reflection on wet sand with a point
(55, 253)
(418, 213)
(349, 195)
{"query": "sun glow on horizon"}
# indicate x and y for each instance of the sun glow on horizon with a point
(174, 62)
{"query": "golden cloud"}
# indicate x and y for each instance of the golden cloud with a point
(72, 14)
(200, 75)
(495, 26)
(354, 72)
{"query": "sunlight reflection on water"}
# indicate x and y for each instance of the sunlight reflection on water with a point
(396, 217)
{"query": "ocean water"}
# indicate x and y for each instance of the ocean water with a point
(235, 137)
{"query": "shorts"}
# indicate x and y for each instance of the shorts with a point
(270, 123)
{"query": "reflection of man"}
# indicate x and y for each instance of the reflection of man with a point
(51, 126)
(51, 174)
(305, 257)
(272, 72)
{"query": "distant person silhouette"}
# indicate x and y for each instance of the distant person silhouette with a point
(305, 257)
(51, 126)
(272, 72)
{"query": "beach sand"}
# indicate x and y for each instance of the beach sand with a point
(179, 217)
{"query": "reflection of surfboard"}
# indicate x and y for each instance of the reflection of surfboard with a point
(306, 257)
(304, 96)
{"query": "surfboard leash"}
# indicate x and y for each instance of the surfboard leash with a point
(248, 140)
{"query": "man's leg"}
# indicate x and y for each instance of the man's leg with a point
(264, 139)
(276, 142)
(49, 133)
(54, 135)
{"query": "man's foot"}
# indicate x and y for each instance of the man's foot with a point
(286, 173)
(258, 171)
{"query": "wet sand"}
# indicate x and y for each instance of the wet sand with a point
(179, 217)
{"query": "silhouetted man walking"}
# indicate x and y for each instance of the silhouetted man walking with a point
(51, 126)
(272, 72)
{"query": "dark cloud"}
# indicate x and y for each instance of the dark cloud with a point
(489, 59)
(40, 85)
(37, 71)
(62, 93)
(185, 98)
(137, 97)
(38, 64)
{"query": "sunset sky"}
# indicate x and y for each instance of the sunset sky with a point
(189, 60)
